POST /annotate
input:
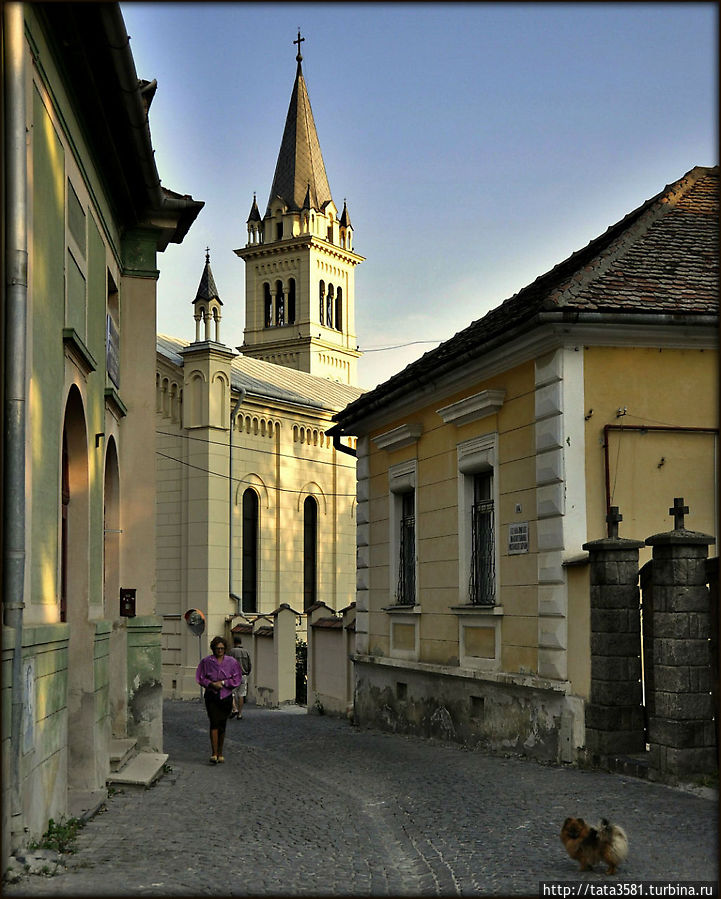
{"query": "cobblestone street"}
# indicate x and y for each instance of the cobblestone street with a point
(309, 805)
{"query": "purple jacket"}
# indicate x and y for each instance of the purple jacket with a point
(228, 670)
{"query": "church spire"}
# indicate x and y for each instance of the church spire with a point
(300, 165)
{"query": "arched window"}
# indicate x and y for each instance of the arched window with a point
(250, 551)
(310, 551)
(329, 307)
(322, 301)
(267, 305)
(291, 301)
(279, 304)
(339, 309)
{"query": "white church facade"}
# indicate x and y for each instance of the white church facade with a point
(256, 503)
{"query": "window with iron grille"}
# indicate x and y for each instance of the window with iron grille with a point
(482, 581)
(406, 594)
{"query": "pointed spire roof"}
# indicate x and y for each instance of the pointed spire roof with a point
(207, 289)
(300, 165)
(344, 220)
(254, 211)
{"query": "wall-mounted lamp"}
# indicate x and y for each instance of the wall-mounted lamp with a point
(98, 438)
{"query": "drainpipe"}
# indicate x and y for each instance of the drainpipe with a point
(337, 445)
(16, 288)
(233, 595)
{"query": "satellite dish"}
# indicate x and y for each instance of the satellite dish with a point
(195, 621)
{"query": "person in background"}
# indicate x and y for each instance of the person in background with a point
(242, 656)
(219, 674)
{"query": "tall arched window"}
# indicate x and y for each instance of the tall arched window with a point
(339, 309)
(279, 304)
(321, 293)
(267, 305)
(310, 551)
(250, 551)
(329, 307)
(291, 301)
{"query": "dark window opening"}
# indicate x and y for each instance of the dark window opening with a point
(321, 294)
(279, 304)
(250, 551)
(267, 305)
(291, 301)
(482, 585)
(407, 562)
(339, 309)
(310, 552)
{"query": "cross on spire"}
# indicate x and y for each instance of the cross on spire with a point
(678, 510)
(612, 519)
(207, 254)
(299, 41)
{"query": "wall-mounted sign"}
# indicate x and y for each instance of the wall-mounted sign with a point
(518, 538)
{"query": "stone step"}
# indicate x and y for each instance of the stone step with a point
(121, 751)
(141, 771)
(635, 765)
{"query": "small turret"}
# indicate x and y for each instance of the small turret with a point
(207, 304)
(255, 224)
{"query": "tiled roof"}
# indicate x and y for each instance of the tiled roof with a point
(661, 258)
(268, 381)
(300, 167)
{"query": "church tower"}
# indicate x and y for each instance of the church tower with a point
(299, 260)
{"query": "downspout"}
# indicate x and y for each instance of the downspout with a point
(16, 289)
(233, 595)
(337, 445)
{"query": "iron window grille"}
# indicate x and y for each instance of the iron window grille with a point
(406, 595)
(482, 585)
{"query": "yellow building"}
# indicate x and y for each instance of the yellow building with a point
(281, 528)
(84, 223)
(485, 466)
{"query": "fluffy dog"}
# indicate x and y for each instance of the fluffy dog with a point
(589, 845)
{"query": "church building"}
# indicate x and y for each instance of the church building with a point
(256, 502)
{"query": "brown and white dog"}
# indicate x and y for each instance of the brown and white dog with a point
(590, 845)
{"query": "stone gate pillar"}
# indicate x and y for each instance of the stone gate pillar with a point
(681, 728)
(614, 715)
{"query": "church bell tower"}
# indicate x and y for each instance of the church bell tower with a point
(299, 260)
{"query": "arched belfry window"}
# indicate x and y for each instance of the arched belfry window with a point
(250, 551)
(339, 309)
(322, 301)
(279, 304)
(291, 301)
(267, 305)
(329, 307)
(310, 551)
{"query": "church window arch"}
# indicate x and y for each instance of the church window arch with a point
(267, 305)
(322, 301)
(291, 301)
(250, 541)
(339, 309)
(279, 304)
(329, 307)
(310, 552)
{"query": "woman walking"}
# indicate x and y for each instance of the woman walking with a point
(219, 674)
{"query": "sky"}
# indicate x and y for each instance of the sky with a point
(477, 144)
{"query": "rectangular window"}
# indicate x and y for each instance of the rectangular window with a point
(406, 593)
(482, 583)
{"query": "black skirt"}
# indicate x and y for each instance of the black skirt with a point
(218, 709)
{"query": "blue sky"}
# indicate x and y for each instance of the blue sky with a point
(477, 144)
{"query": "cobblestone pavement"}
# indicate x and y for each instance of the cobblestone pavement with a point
(309, 805)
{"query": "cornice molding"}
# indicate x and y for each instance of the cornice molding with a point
(405, 435)
(473, 408)
(76, 351)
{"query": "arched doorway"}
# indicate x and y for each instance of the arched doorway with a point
(74, 581)
(111, 589)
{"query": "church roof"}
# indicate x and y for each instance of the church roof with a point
(300, 166)
(207, 289)
(660, 260)
(268, 381)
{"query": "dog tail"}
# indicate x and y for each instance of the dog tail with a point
(616, 838)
